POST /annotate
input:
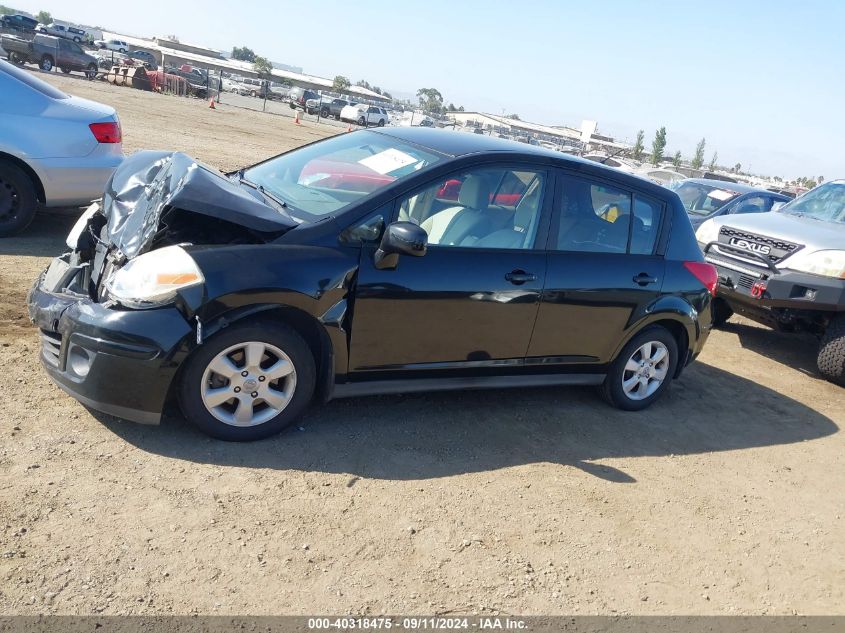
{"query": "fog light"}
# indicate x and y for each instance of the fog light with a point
(79, 361)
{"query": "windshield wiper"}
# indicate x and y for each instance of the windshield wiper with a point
(260, 189)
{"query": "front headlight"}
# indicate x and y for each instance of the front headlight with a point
(153, 278)
(707, 232)
(825, 263)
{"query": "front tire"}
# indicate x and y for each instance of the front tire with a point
(721, 312)
(248, 382)
(18, 200)
(362, 122)
(324, 113)
(642, 371)
(831, 359)
(91, 71)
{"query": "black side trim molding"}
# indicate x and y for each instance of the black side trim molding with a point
(381, 387)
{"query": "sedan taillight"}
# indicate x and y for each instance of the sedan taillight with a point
(106, 132)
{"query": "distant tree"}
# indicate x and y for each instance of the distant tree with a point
(6, 10)
(737, 168)
(377, 90)
(676, 161)
(44, 17)
(430, 99)
(514, 116)
(363, 84)
(658, 145)
(244, 54)
(386, 94)
(698, 157)
(262, 66)
(340, 83)
(639, 146)
(712, 165)
(451, 107)
(820, 179)
(460, 108)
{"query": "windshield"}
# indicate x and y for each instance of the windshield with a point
(700, 199)
(324, 178)
(826, 202)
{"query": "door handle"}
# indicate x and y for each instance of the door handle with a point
(644, 279)
(518, 277)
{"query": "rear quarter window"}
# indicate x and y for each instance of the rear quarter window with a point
(32, 82)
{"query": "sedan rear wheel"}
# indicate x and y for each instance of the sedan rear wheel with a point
(17, 200)
(643, 370)
(248, 382)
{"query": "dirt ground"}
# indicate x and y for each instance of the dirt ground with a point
(725, 497)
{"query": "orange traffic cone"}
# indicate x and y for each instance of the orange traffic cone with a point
(211, 104)
(349, 129)
(296, 118)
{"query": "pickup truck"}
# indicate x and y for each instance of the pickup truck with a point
(48, 52)
(327, 108)
(786, 269)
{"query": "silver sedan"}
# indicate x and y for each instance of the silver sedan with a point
(55, 149)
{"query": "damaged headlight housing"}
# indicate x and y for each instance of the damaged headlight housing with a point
(152, 279)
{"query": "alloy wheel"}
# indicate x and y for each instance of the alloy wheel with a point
(645, 370)
(248, 384)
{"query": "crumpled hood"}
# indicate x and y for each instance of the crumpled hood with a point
(793, 228)
(148, 182)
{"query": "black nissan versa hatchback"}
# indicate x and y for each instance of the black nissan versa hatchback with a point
(371, 262)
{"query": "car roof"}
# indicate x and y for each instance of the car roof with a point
(736, 187)
(455, 144)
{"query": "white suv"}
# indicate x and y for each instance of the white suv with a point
(362, 114)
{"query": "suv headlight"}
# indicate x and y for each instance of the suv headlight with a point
(707, 232)
(152, 279)
(825, 263)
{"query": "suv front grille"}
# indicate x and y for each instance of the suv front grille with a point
(51, 347)
(779, 248)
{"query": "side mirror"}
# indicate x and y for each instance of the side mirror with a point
(400, 238)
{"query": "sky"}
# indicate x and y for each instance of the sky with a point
(762, 81)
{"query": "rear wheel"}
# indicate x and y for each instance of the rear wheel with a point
(248, 382)
(16, 59)
(381, 122)
(17, 200)
(46, 63)
(642, 371)
(831, 360)
(65, 70)
(362, 121)
(721, 312)
(324, 113)
(91, 71)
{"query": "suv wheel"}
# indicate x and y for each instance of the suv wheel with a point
(721, 312)
(324, 113)
(642, 371)
(16, 59)
(46, 63)
(91, 71)
(381, 122)
(17, 200)
(831, 360)
(362, 121)
(248, 382)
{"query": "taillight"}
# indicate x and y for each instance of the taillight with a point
(705, 273)
(106, 132)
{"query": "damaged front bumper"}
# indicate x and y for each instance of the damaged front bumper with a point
(117, 361)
